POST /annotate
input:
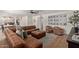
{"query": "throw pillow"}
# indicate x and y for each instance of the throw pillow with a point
(19, 33)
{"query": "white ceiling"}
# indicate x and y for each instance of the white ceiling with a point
(26, 12)
(13, 12)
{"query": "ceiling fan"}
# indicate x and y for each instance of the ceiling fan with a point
(34, 11)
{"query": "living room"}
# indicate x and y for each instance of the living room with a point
(36, 28)
(39, 29)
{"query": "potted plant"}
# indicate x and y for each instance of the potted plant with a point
(74, 20)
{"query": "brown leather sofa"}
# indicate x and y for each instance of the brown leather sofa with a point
(49, 29)
(17, 42)
(14, 40)
(58, 31)
(29, 29)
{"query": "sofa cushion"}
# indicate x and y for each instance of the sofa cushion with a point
(13, 28)
(29, 27)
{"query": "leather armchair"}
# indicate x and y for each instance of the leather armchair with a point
(49, 29)
(58, 31)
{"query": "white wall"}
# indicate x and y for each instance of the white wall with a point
(30, 19)
(24, 21)
(45, 20)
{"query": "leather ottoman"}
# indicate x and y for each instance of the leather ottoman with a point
(38, 34)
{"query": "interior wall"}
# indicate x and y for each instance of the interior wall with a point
(24, 21)
(45, 20)
(30, 19)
